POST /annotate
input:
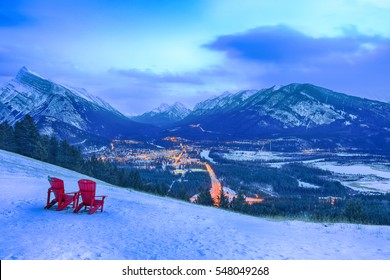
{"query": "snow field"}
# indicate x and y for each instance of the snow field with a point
(141, 226)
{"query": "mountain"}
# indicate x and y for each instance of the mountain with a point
(140, 226)
(66, 112)
(322, 118)
(222, 103)
(329, 118)
(164, 114)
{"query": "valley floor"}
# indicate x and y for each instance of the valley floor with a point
(140, 226)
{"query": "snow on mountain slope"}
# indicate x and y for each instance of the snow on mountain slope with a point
(164, 114)
(290, 105)
(161, 109)
(140, 226)
(222, 102)
(92, 98)
(63, 111)
(175, 111)
(320, 116)
(32, 94)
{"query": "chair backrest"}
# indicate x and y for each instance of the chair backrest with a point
(87, 190)
(56, 186)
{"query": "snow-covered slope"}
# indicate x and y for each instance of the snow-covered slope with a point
(140, 226)
(164, 114)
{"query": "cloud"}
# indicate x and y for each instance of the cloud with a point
(355, 63)
(281, 44)
(152, 77)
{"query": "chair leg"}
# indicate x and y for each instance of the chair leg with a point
(75, 201)
(93, 209)
(50, 204)
(78, 207)
(48, 198)
(63, 205)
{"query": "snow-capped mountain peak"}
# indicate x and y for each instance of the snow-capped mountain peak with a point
(164, 114)
(177, 109)
(223, 102)
(277, 87)
(162, 108)
(83, 93)
(24, 70)
(299, 110)
(59, 110)
(180, 110)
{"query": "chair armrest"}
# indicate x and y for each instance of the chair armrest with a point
(69, 193)
(103, 196)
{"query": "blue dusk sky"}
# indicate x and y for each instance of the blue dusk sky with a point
(137, 54)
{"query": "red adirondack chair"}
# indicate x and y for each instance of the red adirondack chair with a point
(60, 197)
(87, 193)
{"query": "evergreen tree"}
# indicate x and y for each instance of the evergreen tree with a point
(26, 136)
(162, 189)
(183, 193)
(135, 181)
(205, 198)
(354, 210)
(41, 148)
(52, 150)
(76, 158)
(64, 154)
(123, 178)
(239, 203)
(70, 157)
(7, 137)
(223, 200)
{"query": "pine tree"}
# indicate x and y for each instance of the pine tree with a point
(7, 137)
(205, 198)
(41, 148)
(52, 150)
(354, 210)
(26, 136)
(163, 189)
(239, 202)
(183, 193)
(223, 200)
(135, 181)
(64, 155)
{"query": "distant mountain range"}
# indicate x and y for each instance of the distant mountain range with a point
(66, 112)
(320, 117)
(325, 117)
(164, 114)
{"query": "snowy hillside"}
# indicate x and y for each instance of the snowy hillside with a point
(140, 226)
